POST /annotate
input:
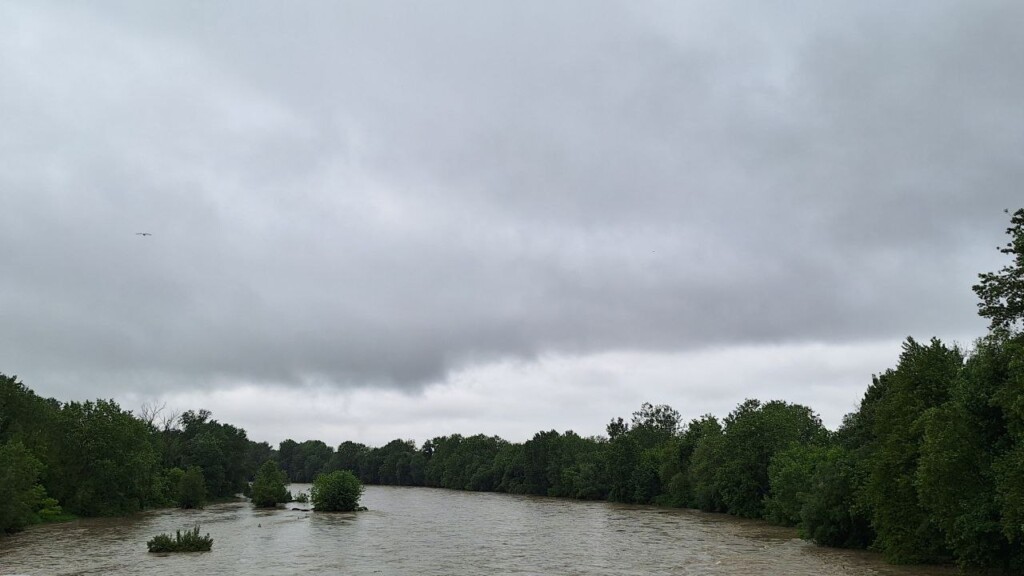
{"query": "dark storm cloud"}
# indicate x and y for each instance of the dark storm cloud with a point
(375, 193)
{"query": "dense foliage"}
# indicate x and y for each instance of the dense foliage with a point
(190, 541)
(96, 459)
(268, 489)
(337, 491)
(929, 468)
(191, 488)
(19, 491)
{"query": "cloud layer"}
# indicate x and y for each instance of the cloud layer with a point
(360, 195)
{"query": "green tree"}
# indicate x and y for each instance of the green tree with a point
(1002, 292)
(635, 452)
(656, 424)
(166, 486)
(830, 514)
(754, 434)
(706, 464)
(590, 478)
(790, 475)
(338, 491)
(19, 493)
(346, 457)
(27, 418)
(106, 463)
(923, 380)
(221, 450)
(303, 461)
(396, 462)
(268, 489)
(192, 488)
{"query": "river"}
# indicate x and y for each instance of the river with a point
(422, 531)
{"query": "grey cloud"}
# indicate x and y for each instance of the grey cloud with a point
(371, 194)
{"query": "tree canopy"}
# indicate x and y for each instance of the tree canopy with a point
(1002, 292)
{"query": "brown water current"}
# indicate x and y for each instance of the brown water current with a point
(422, 531)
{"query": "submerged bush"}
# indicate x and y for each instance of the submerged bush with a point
(268, 489)
(338, 491)
(190, 541)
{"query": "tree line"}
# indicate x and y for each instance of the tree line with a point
(928, 469)
(96, 459)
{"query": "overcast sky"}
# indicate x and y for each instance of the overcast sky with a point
(374, 220)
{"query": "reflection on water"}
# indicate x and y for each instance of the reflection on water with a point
(422, 531)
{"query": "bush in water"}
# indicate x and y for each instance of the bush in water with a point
(338, 491)
(191, 541)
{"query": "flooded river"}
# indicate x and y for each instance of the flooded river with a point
(422, 531)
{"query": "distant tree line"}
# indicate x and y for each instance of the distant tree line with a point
(928, 469)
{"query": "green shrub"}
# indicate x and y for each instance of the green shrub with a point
(268, 489)
(49, 510)
(338, 491)
(190, 541)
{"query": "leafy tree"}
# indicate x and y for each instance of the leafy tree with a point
(473, 463)
(221, 450)
(621, 458)
(569, 464)
(256, 455)
(656, 424)
(303, 461)
(338, 491)
(510, 469)
(587, 475)
(830, 514)
(106, 462)
(677, 462)
(539, 454)
(634, 455)
(347, 456)
(192, 488)
(167, 485)
(268, 489)
(953, 486)
(790, 475)
(396, 462)
(1002, 292)
(754, 434)
(464, 463)
(706, 464)
(1009, 470)
(922, 380)
(19, 493)
(26, 418)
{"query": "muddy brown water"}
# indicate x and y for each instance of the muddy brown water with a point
(422, 531)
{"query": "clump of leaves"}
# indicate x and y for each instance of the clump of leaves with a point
(190, 541)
